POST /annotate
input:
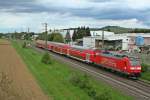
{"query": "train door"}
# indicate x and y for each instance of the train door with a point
(67, 52)
(88, 57)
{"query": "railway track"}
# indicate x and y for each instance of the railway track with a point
(137, 88)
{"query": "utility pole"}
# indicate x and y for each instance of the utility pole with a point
(28, 35)
(28, 31)
(102, 39)
(46, 32)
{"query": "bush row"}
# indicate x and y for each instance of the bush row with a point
(83, 82)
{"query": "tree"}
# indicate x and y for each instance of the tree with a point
(28, 36)
(108, 30)
(81, 32)
(1, 35)
(88, 33)
(17, 35)
(68, 37)
(51, 36)
(41, 36)
(56, 37)
(74, 36)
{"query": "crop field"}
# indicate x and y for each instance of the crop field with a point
(54, 79)
(16, 82)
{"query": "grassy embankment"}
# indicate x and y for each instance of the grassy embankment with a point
(54, 79)
(145, 66)
(146, 72)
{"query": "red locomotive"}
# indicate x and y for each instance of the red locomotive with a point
(111, 60)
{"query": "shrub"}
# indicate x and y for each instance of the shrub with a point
(144, 67)
(46, 59)
(103, 96)
(24, 45)
(75, 79)
(83, 82)
(91, 92)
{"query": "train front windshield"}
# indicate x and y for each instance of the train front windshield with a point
(134, 61)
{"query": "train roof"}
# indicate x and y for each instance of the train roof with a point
(55, 43)
(116, 55)
(81, 48)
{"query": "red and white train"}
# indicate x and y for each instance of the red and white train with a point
(111, 60)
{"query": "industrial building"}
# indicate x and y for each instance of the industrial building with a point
(100, 32)
(125, 41)
(136, 40)
(111, 42)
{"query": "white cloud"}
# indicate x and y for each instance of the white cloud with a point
(56, 20)
(131, 23)
(138, 4)
(21, 21)
(133, 4)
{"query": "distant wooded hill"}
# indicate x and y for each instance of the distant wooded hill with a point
(118, 29)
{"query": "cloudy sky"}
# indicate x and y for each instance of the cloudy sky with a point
(20, 14)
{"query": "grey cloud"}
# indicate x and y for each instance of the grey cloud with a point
(29, 6)
(16, 5)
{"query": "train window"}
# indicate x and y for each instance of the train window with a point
(125, 63)
(106, 52)
(134, 61)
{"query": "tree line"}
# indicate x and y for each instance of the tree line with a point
(80, 33)
(1, 35)
(136, 30)
(54, 36)
(17, 35)
(22, 35)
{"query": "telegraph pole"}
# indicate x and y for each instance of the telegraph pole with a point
(28, 31)
(46, 32)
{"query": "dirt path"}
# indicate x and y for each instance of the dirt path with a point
(16, 82)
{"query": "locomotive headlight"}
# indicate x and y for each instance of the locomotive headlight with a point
(135, 68)
(139, 68)
(132, 68)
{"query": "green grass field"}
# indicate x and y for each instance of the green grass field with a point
(145, 59)
(146, 72)
(54, 78)
(146, 76)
